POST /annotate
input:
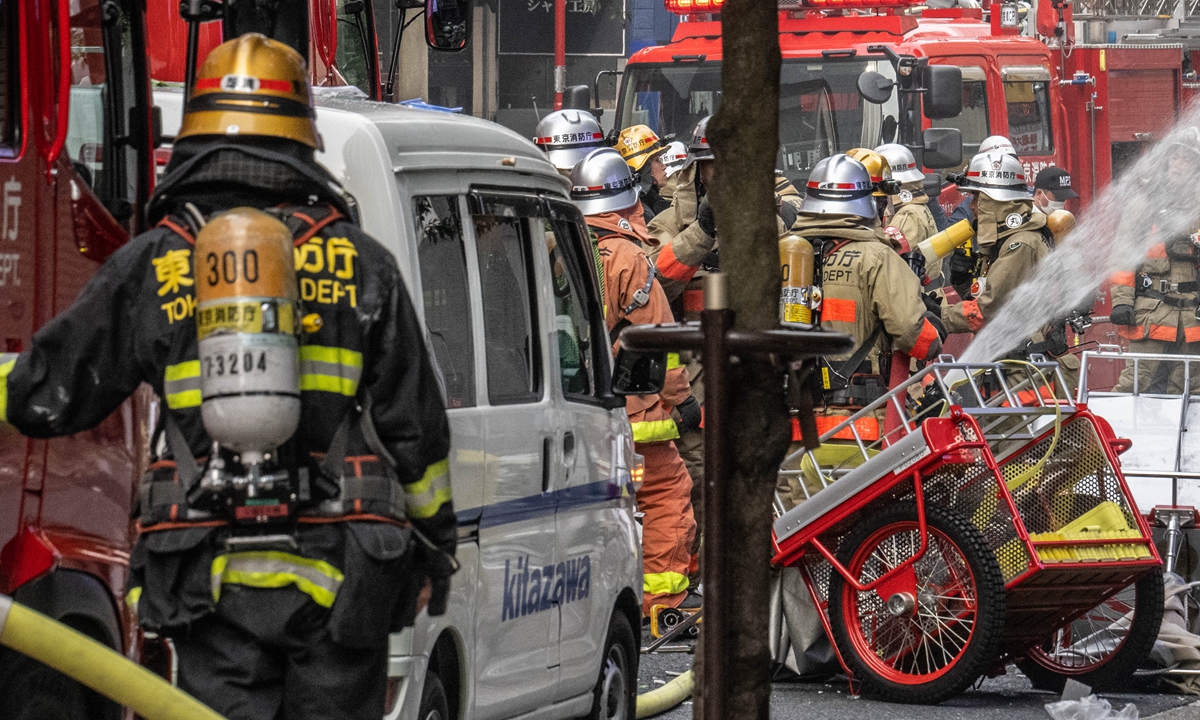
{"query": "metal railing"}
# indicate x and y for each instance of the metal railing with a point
(1133, 9)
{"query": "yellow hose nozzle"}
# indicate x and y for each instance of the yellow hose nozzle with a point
(938, 246)
(99, 667)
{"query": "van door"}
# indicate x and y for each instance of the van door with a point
(589, 519)
(516, 624)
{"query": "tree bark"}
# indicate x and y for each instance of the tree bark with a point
(744, 136)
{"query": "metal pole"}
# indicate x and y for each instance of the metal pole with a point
(560, 52)
(715, 322)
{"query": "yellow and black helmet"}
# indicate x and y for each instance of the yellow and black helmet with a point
(638, 144)
(252, 85)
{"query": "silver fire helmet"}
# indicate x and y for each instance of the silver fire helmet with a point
(602, 182)
(567, 136)
(998, 175)
(997, 142)
(675, 158)
(699, 146)
(840, 185)
(903, 164)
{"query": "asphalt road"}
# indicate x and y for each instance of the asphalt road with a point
(1009, 697)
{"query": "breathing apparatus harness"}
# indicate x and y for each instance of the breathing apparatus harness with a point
(268, 486)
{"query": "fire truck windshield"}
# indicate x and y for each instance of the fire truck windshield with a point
(820, 110)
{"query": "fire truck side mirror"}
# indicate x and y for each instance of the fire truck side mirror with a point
(875, 88)
(639, 373)
(943, 91)
(447, 24)
(943, 148)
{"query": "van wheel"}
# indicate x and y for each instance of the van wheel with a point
(37, 692)
(615, 695)
(433, 699)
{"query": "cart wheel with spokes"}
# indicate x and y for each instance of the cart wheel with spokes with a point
(932, 630)
(1104, 646)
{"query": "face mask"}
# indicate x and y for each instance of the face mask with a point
(1052, 205)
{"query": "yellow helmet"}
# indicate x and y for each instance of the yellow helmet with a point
(877, 165)
(252, 85)
(638, 144)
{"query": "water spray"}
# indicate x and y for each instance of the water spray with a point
(1149, 203)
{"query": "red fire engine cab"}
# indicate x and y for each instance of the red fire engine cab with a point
(1088, 108)
(75, 144)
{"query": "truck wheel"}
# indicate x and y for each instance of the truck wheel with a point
(615, 695)
(1095, 649)
(928, 635)
(433, 699)
(37, 692)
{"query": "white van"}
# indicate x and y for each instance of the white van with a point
(544, 614)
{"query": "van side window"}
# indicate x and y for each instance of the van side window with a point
(504, 243)
(973, 122)
(446, 297)
(1029, 117)
(574, 317)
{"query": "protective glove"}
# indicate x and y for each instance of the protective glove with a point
(933, 305)
(961, 268)
(691, 414)
(438, 566)
(935, 320)
(1123, 315)
(704, 216)
(439, 596)
(787, 213)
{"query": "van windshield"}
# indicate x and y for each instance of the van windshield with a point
(820, 110)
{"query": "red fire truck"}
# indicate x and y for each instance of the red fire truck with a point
(75, 147)
(1088, 108)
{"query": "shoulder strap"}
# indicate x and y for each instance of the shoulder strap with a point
(305, 221)
(848, 367)
(185, 462)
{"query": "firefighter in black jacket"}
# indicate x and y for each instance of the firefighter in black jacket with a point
(279, 597)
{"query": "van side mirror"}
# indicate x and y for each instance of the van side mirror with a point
(875, 88)
(447, 24)
(943, 91)
(943, 147)
(577, 97)
(639, 373)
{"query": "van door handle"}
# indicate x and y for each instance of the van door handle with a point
(547, 473)
(568, 450)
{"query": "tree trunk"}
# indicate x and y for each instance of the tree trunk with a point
(744, 136)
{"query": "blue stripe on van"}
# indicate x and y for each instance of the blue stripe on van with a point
(541, 505)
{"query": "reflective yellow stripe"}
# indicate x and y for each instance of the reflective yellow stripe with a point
(7, 361)
(181, 385)
(664, 583)
(272, 569)
(132, 597)
(182, 371)
(328, 383)
(654, 431)
(330, 369)
(426, 496)
(341, 356)
(673, 361)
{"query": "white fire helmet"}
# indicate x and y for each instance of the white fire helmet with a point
(997, 142)
(904, 165)
(699, 147)
(675, 158)
(567, 136)
(998, 175)
(602, 182)
(841, 185)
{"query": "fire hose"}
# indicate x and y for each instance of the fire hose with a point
(666, 697)
(99, 667)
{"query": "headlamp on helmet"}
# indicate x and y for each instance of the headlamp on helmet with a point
(252, 85)
(880, 170)
(602, 182)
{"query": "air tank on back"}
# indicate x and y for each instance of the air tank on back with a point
(246, 308)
